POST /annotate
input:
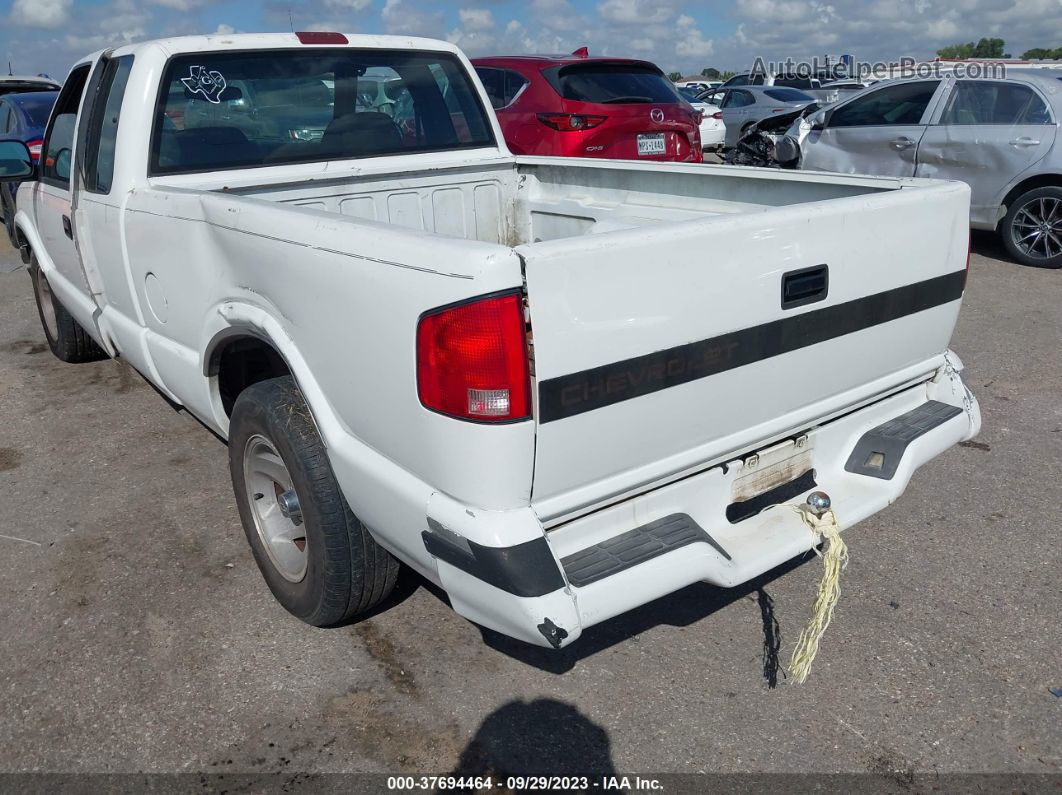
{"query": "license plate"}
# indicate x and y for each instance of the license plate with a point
(651, 144)
(771, 468)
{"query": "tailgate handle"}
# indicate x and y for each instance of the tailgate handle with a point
(805, 286)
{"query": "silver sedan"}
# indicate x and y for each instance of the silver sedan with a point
(998, 135)
(744, 106)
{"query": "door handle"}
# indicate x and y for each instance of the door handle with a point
(805, 286)
(66, 227)
(901, 143)
(1025, 141)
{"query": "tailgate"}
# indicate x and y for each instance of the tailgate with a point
(661, 348)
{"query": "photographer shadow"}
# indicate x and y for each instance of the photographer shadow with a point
(543, 737)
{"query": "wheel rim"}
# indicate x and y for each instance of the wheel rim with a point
(275, 508)
(1037, 228)
(44, 296)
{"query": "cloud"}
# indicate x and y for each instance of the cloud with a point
(405, 18)
(636, 12)
(473, 19)
(40, 13)
(348, 5)
(118, 22)
(180, 5)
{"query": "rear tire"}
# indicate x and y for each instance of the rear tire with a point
(67, 340)
(317, 558)
(1032, 228)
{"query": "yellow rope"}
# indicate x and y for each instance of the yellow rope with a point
(834, 558)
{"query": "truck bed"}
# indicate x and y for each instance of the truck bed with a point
(663, 340)
(545, 199)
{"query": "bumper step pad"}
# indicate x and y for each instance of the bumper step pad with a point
(878, 452)
(634, 547)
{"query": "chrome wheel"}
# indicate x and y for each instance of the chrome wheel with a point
(275, 508)
(1037, 228)
(44, 297)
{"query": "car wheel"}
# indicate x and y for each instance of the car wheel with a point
(1032, 228)
(67, 340)
(318, 559)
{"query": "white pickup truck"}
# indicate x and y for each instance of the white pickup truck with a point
(557, 388)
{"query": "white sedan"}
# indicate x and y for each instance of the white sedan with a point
(713, 131)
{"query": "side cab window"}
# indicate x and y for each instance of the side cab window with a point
(990, 102)
(59, 141)
(900, 104)
(98, 132)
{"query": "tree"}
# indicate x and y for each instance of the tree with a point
(956, 51)
(985, 48)
(674, 77)
(989, 48)
(726, 75)
(1042, 53)
(710, 72)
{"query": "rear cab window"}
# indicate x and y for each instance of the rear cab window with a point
(612, 84)
(221, 111)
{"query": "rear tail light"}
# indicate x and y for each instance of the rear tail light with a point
(718, 115)
(472, 360)
(321, 37)
(35, 149)
(570, 122)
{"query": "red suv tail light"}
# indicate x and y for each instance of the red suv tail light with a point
(472, 360)
(35, 149)
(570, 122)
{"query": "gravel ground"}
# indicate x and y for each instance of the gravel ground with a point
(139, 635)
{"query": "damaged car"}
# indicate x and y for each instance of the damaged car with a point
(772, 142)
(998, 135)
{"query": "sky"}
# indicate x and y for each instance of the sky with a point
(48, 35)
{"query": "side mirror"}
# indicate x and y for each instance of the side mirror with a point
(818, 120)
(15, 162)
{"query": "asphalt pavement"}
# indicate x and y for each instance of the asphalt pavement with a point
(139, 636)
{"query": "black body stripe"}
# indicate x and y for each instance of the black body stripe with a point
(575, 393)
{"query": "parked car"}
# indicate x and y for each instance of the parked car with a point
(699, 85)
(1000, 136)
(575, 106)
(811, 86)
(22, 118)
(765, 142)
(16, 84)
(743, 107)
(519, 376)
(712, 129)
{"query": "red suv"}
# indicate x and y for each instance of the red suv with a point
(574, 106)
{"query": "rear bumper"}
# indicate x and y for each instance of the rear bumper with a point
(548, 588)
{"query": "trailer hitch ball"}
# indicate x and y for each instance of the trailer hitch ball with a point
(819, 502)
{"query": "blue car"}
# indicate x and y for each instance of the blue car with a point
(23, 117)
